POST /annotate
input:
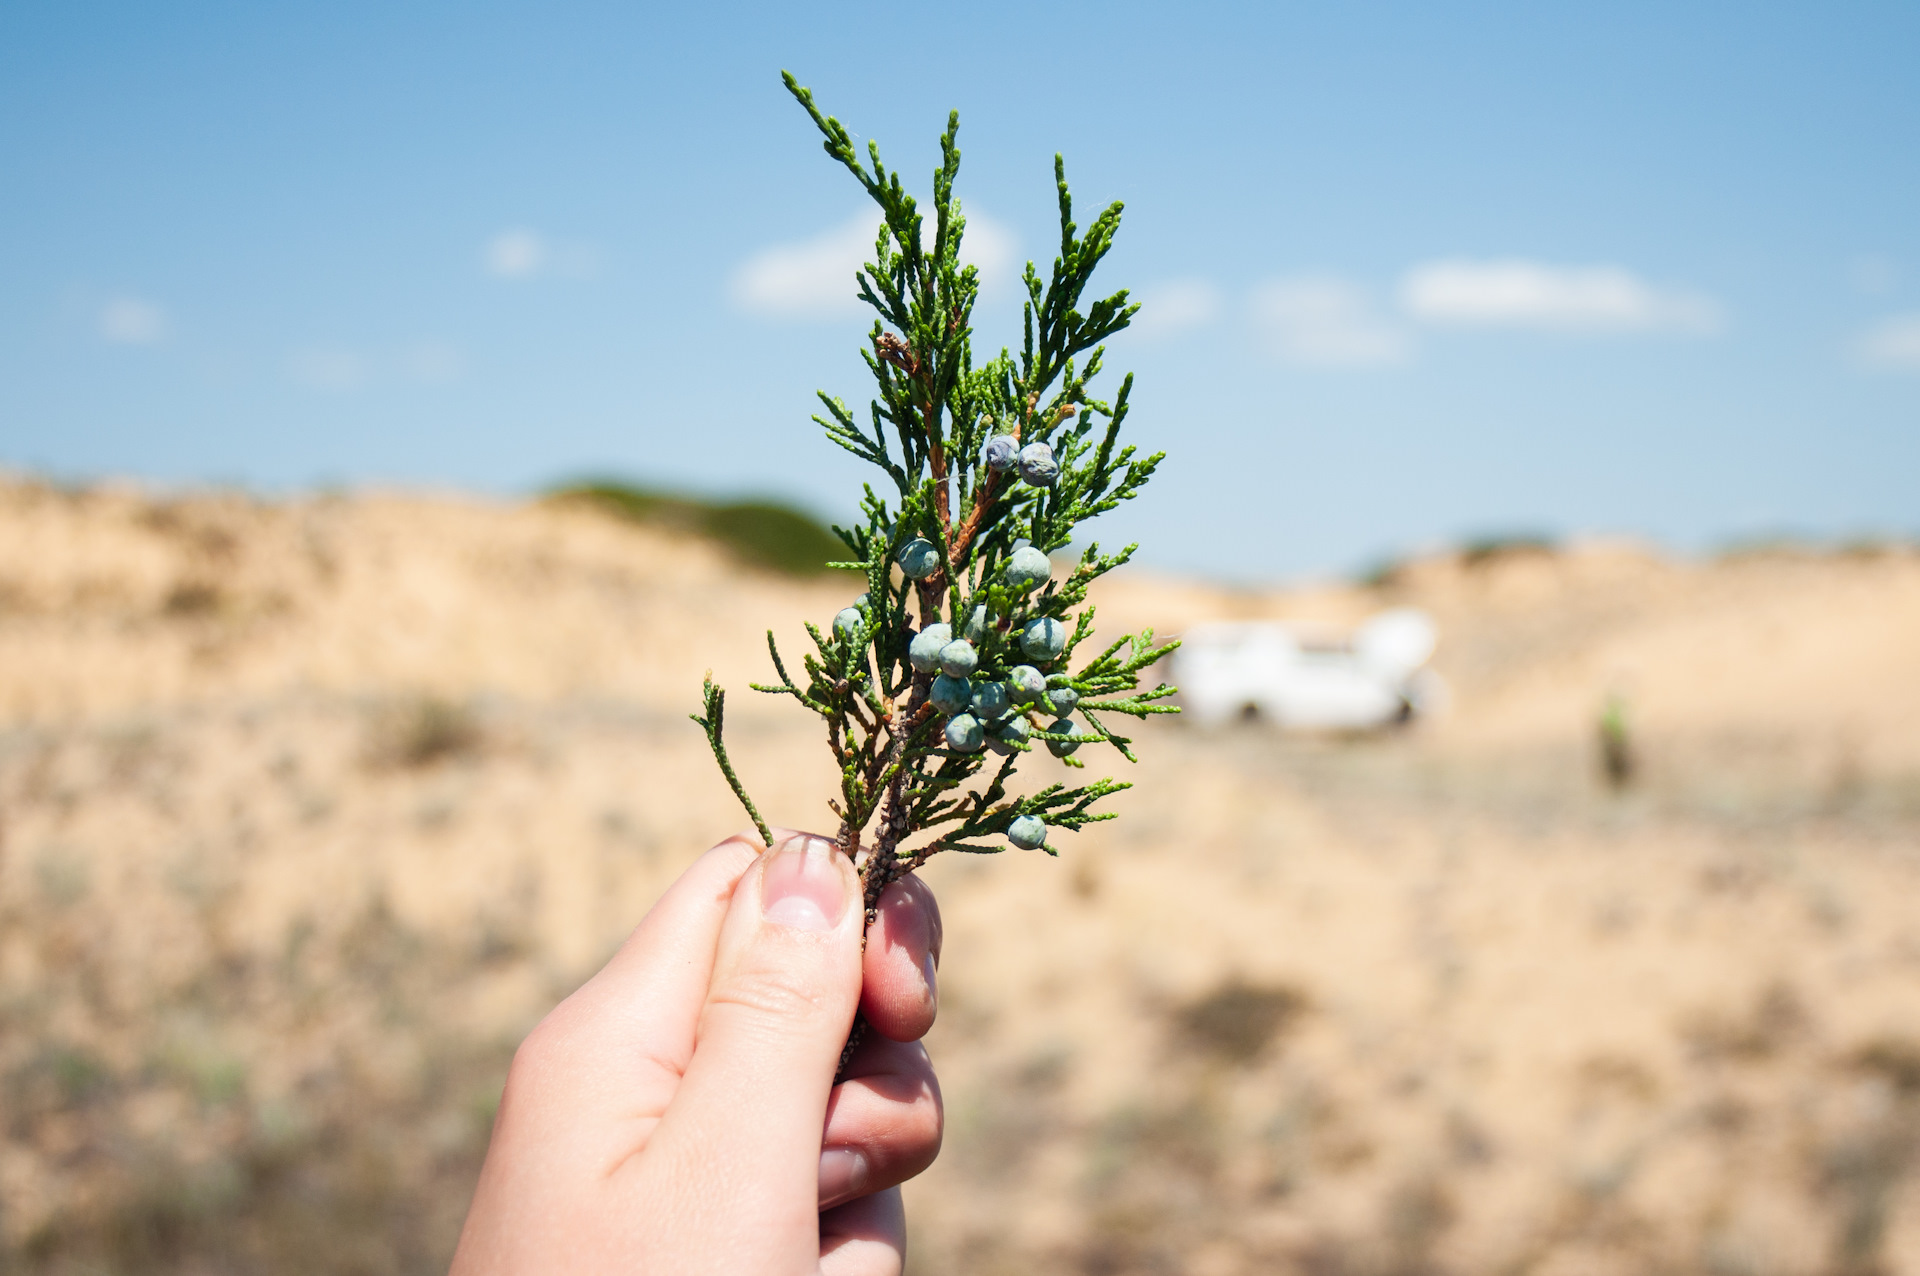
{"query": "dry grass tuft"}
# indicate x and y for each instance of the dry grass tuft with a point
(1236, 1021)
(425, 732)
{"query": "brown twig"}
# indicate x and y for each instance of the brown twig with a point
(983, 498)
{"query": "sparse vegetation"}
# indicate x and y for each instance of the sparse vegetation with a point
(192, 598)
(1236, 1021)
(1482, 550)
(767, 534)
(1618, 759)
(421, 731)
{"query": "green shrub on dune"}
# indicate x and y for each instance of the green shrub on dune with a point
(760, 533)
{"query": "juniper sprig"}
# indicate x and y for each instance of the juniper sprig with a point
(964, 642)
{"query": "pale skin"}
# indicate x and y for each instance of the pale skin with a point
(678, 1113)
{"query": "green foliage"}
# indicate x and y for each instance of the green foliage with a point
(1492, 547)
(713, 722)
(933, 411)
(760, 533)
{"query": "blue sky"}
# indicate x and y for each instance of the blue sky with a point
(1412, 272)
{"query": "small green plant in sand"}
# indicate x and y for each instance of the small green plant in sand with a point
(965, 653)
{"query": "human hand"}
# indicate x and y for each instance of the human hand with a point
(678, 1113)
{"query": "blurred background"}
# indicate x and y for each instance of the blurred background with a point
(401, 408)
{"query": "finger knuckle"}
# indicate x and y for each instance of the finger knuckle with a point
(924, 1125)
(543, 1051)
(910, 1140)
(770, 993)
(539, 1064)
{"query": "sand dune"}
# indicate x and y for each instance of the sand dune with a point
(309, 809)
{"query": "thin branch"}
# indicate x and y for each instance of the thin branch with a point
(712, 723)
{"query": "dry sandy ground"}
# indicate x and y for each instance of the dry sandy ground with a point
(309, 810)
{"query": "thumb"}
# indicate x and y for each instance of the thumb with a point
(740, 1140)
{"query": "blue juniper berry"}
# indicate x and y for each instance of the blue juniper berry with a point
(848, 624)
(950, 694)
(1037, 465)
(923, 653)
(1027, 567)
(977, 626)
(1043, 639)
(918, 559)
(1026, 683)
(1007, 738)
(964, 733)
(991, 701)
(958, 659)
(1028, 832)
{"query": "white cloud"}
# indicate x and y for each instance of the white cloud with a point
(520, 253)
(1327, 322)
(516, 254)
(814, 277)
(1892, 344)
(338, 368)
(1526, 294)
(433, 362)
(1175, 306)
(987, 245)
(327, 367)
(808, 278)
(132, 321)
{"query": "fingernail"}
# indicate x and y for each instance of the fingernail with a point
(803, 887)
(843, 1172)
(926, 969)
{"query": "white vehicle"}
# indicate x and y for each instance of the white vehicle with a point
(1310, 680)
